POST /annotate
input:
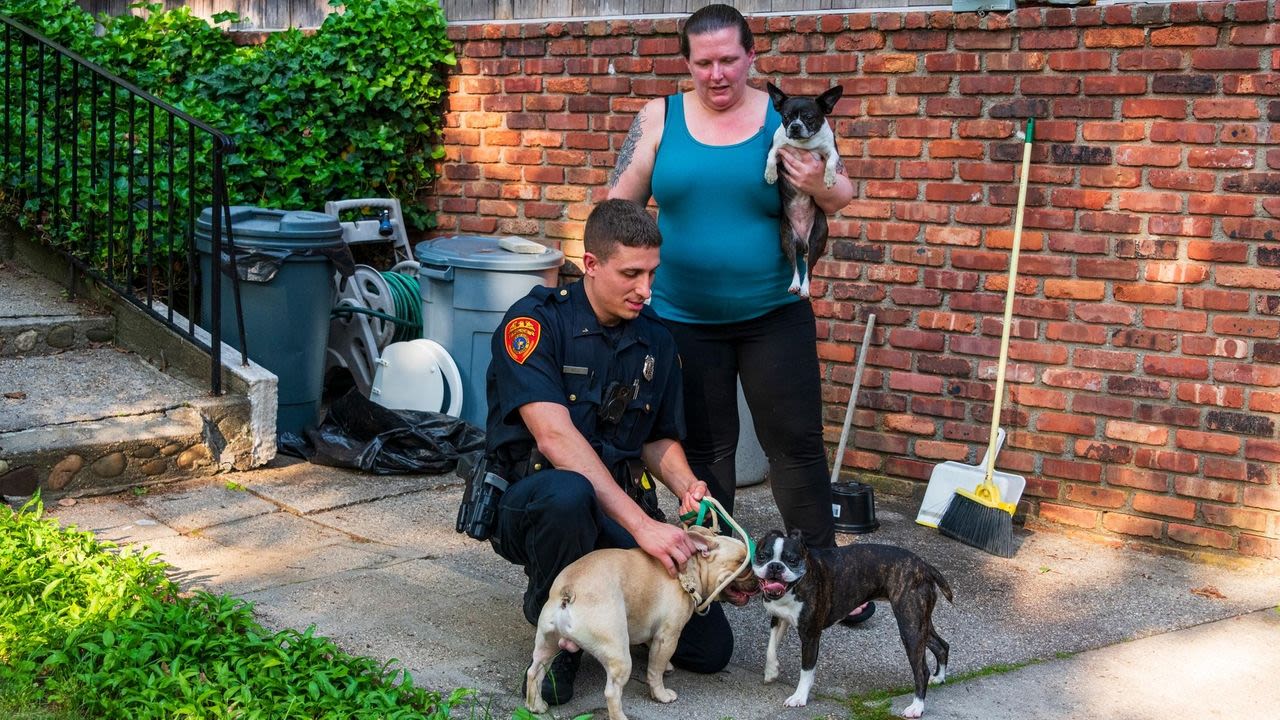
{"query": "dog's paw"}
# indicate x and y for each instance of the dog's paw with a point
(770, 676)
(829, 178)
(663, 695)
(798, 700)
(537, 707)
(914, 710)
(771, 175)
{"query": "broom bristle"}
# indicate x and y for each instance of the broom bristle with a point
(989, 529)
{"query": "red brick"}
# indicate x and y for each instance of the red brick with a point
(1255, 546)
(1208, 109)
(1232, 59)
(1164, 505)
(1114, 37)
(1166, 460)
(1192, 368)
(1066, 515)
(1131, 525)
(1234, 517)
(1129, 477)
(1184, 35)
(1266, 498)
(1207, 489)
(1205, 537)
(1106, 360)
(1096, 496)
(1217, 395)
(1227, 157)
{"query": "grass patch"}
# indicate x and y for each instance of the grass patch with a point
(89, 630)
(875, 704)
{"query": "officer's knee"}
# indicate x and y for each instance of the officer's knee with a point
(711, 657)
(566, 493)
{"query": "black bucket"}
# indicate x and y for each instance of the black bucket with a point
(853, 504)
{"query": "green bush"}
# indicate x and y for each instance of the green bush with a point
(352, 110)
(100, 632)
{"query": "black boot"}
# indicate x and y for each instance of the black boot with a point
(557, 685)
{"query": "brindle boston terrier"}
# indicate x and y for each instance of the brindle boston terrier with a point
(813, 588)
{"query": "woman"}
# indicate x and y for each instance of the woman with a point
(723, 284)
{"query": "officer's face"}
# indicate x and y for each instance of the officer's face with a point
(618, 287)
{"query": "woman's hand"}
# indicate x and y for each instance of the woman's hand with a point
(804, 169)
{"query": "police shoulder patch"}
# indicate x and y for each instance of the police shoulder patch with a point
(521, 337)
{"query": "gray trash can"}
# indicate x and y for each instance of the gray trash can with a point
(286, 292)
(468, 283)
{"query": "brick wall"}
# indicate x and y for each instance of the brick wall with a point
(1144, 388)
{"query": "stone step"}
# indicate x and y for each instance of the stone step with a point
(98, 420)
(37, 319)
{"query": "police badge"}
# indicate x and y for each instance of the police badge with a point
(521, 335)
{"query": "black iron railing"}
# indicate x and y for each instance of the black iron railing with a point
(114, 179)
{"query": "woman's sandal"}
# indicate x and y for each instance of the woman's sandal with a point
(857, 618)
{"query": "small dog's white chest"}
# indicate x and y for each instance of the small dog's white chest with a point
(786, 608)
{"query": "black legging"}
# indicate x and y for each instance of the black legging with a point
(777, 357)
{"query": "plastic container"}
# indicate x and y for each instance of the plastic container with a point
(468, 283)
(286, 293)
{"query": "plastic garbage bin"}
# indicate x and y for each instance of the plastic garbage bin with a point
(286, 293)
(468, 283)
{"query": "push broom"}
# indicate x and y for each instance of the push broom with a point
(979, 517)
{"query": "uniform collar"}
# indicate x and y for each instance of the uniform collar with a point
(585, 323)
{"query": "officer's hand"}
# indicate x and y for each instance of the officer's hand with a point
(692, 497)
(669, 544)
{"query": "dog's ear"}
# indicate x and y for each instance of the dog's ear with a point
(827, 100)
(776, 95)
(796, 535)
(703, 539)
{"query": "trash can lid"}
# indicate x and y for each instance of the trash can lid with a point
(478, 252)
(264, 227)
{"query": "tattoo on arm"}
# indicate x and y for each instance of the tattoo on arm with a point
(628, 151)
(840, 165)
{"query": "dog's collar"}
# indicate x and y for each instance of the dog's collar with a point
(689, 582)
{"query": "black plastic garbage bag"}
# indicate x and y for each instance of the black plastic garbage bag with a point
(359, 433)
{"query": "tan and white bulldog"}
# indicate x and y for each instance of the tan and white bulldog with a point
(611, 599)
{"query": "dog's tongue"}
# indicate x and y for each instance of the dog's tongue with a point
(773, 587)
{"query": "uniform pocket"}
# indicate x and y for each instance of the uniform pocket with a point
(582, 395)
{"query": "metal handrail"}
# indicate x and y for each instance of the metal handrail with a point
(115, 240)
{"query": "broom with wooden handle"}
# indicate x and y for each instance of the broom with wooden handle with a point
(979, 518)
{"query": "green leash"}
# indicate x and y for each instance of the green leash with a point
(713, 505)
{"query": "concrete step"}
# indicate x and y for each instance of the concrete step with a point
(37, 319)
(98, 420)
(97, 396)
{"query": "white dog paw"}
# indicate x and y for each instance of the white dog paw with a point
(914, 710)
(538, 707)
(771, 176)
(770, 676)
(797, 700)
(665, 695)
(829, 179)
(939, 677)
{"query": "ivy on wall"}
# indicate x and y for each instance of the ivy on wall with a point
(350, 110)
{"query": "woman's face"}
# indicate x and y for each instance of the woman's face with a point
(719, 67)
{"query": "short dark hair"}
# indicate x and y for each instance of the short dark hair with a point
(712, 18)
(619, 222)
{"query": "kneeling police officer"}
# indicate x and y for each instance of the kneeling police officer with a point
(585, 406)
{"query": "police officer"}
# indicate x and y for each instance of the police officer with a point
(583, 387)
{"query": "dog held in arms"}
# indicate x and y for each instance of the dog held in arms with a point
(813, 588)
(610, 599)
(804, 125)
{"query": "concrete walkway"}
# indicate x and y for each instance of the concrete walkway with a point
(375, 564)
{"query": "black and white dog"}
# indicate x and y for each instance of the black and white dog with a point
(804, 125)
(814, 588)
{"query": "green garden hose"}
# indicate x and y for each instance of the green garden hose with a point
(406, 297)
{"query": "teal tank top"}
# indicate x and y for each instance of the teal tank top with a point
(722, 258)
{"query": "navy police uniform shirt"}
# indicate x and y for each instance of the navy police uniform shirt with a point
(551, 348)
